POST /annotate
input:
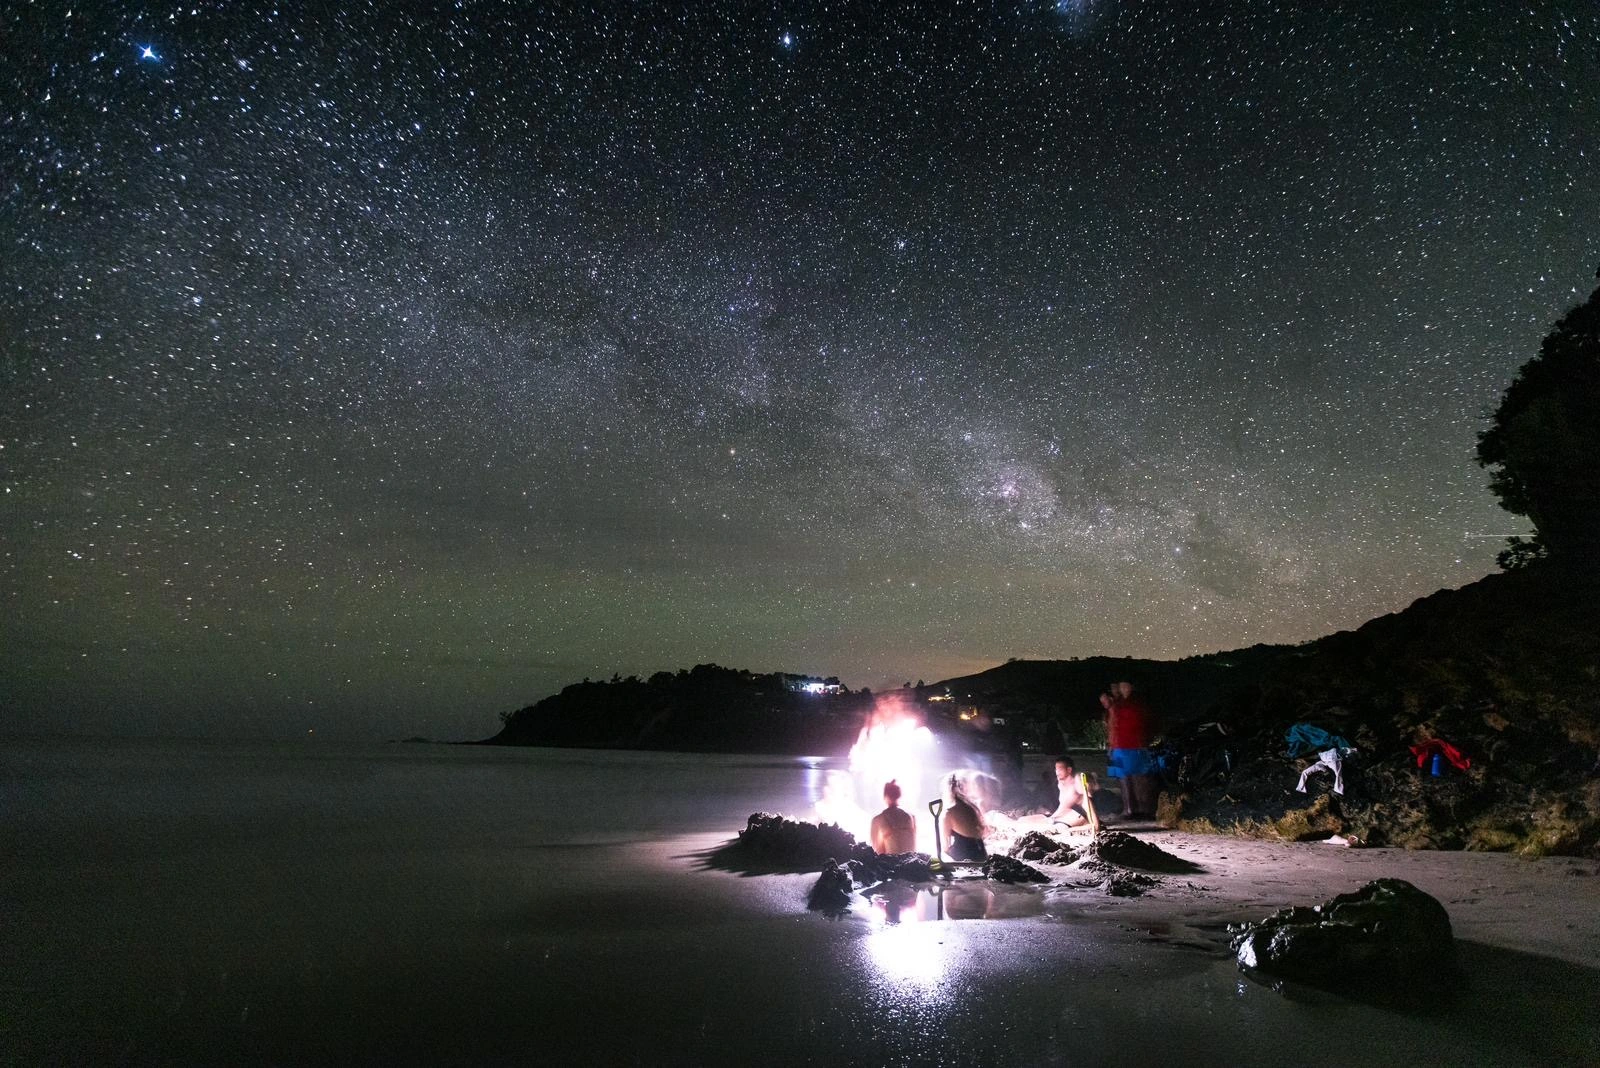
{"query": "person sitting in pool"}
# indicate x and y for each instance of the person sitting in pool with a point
(963, 827)
(894, 830)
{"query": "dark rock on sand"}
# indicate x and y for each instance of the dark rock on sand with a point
(1008, 870)
(831, 892)
(1388, 929)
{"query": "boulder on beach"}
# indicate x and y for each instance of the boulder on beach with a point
(831, 892)
(1388, 929)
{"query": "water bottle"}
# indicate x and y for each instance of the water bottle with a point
(1438, 765)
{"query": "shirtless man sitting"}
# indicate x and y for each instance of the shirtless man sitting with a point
(1073, 808)
(894, 830)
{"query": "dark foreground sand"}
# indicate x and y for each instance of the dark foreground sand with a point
(639, 954)
(194, 904)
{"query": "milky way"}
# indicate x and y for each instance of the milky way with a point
(376, 373)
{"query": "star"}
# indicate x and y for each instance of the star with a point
(148, 52)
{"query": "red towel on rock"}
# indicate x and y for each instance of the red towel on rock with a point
(1438, 745)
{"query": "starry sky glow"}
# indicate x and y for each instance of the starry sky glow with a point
(376, 371)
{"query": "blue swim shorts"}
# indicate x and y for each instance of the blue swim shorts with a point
(1126, 762)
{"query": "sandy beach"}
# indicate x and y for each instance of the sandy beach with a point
(443, 906)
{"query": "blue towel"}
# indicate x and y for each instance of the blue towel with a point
(1304, 737)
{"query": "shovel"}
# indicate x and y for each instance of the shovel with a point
(1088, 804)
(936, 806)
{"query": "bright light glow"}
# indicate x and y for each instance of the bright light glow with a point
(908, 945)
(915, 953)
(893, 744)
(839, 804)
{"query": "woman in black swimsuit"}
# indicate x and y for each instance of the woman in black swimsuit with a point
(963, 826)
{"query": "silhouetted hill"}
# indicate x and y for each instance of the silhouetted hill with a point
(1064, 694)
(704, 709)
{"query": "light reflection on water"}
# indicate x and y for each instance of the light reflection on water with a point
(917, 953)
(913, 948)
(894, 903)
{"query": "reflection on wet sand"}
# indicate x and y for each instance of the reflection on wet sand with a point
(910, 943)
(895, 902)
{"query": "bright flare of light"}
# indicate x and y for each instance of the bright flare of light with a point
(894, 744)
(839, 804)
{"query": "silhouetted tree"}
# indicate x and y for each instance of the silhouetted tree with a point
(1543, 445)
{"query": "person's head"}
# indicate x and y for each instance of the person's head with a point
(957, 793)
(891, 793)
(1124, 690)
(1064, 769)
(1106, 699)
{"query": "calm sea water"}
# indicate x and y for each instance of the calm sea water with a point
(164, 897)
(115, 790)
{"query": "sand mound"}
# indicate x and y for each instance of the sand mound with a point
(1008, 870)
(1124, 850)
(773, 843)
(1041, 848)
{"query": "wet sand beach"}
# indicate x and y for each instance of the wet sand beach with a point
(458, 906)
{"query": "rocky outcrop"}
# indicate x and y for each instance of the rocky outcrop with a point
(1503, 669)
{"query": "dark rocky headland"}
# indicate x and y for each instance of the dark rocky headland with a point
(1507, 670)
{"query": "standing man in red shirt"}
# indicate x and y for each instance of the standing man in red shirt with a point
(1128, 733)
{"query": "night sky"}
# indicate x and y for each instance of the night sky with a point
(377, 373)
